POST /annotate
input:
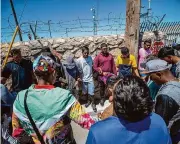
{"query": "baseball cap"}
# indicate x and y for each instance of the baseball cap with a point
(156, 65)
(44, 64)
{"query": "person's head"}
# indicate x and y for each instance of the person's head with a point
(85, 52)
(69, 62)
(46, 51)
(124, 52)
(104, 48)
(148, 58)
(132, 100)
(16, 55)
(167, 54)
(159, 72)
(111, 82)
(45, 70)
(147, 44)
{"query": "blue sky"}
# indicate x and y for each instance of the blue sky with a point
(68, 10)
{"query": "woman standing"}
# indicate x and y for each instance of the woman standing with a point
(50, 108)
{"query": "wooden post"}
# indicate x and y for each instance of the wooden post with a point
(132, 25)
(16, 21)
(10, 46)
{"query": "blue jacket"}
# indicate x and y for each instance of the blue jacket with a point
(114, 130)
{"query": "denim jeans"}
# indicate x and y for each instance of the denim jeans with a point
(7, 97)
(88, 88)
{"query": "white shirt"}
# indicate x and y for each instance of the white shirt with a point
(85, 67)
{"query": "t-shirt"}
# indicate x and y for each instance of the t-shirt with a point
(114, 130)
(126, 61)
(154, 88)
(85, 68)
(125, 65)
(105, 63)
(21, 74)
(143, 53)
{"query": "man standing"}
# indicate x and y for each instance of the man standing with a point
(133, 121)
(126, 63)
(21, 71)
(168, 97)
(85, 64)
(104, 64)
(167, 54)
(143, 54)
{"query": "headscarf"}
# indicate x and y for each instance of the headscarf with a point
(44, 64)
(69, 63)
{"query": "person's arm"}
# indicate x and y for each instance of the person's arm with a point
(5, 73)
(5, 130)
(90, 138)
(134, 67)
(17, 129)
(166, 107)
(56, 54)
(107, 112)
(78, 115)
(96, 65)
(135, 71)
(114, 67)
(79, 68)
(19, 133)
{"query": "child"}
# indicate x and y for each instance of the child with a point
(85, 64)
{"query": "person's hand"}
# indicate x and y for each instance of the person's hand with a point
(143, 78)
(3, 80)
(105, 73)
(5, 127)
(56, 54)
(79, 79)
(99, 115)
(100, 71)
(110, 98)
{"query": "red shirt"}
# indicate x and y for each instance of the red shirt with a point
(105, 63)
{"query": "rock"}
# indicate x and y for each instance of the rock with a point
(66, 54)
(61, 50)
(113, 46)
(75, 43)
(100, 40)
(91, 47)
(51, 41)
(67, 46)
(153, 35)
(60, 40)
(78, 53)
(74, 49)
(55, 46)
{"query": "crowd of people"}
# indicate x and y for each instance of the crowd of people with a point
(45, 96)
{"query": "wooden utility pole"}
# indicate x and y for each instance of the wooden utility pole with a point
(16, 21)
(133, 8)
